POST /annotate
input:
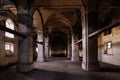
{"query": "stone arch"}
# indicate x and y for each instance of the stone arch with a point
(57, 23)
(58, 43)
(9, 14)
(57, 17)
(39, 19)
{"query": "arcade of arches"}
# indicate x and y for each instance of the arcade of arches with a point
(38, 30)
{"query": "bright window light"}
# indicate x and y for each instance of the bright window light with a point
(36, 49)
(10, 25)
(9, 46)
(109, 45)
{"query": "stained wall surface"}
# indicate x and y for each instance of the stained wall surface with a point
(7, 58)
(110, 53)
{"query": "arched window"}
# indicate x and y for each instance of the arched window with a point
(9, 24)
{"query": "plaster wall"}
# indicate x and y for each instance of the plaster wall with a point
(114, 37)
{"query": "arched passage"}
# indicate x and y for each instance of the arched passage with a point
(38, 23)
(58, 44)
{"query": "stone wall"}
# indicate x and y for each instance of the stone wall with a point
(6, 59)
(113, 53)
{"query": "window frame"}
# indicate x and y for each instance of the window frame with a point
(11, 23)
(11, 50)
(107, 49)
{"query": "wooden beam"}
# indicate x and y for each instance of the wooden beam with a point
(100, 30)
(3, 28)
(78, 41)
(39, 42)
(104, 28)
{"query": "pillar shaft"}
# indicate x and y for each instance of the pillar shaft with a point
(90, 47)
(46, 48)
(49, 51)
(25, 54)
(40, 47)
(75, 51)
(68, 51)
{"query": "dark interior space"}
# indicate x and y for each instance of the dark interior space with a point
(58, 44)
(59, 39)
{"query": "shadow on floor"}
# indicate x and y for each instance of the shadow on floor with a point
(106, 69)
(38, 74)
(51, 75)
(109, 68)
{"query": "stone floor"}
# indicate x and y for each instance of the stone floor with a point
(59, 69)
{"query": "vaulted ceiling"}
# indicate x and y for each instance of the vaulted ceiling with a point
(65, 15)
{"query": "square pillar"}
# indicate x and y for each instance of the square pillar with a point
(46, 48)
(75, 51)
(69, 48)
(69, 51)
(25, 48)
(49, 51)
(40, 47)
(90, 45)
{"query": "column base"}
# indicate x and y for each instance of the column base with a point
(74, 59)
(24, 67)
(69, 56)
(39, 59)
(90, 66)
